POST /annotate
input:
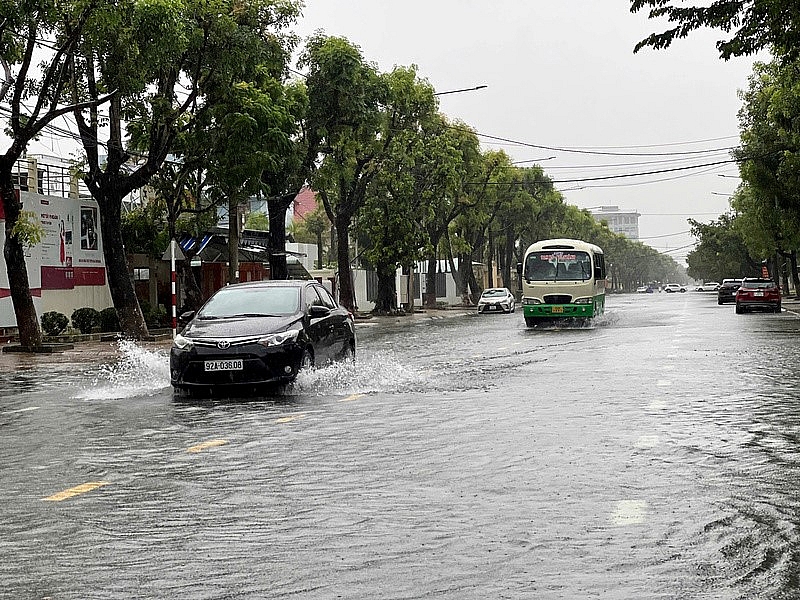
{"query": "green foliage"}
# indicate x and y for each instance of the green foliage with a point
(53, 322)
(721, 252)
(154, 316)
(109, 321)
(85, 319)
(28, 230)
(756, 24)
(257, 221)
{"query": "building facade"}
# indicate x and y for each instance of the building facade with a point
(625, 222)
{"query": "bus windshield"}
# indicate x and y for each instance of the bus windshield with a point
(558, 265)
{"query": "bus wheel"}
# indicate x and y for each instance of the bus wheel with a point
(530, 321)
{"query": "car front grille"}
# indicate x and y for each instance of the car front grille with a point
(557, 299)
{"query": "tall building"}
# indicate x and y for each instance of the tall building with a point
(625, 222)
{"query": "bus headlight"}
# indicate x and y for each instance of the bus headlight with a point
(529, 301)
(583, 301)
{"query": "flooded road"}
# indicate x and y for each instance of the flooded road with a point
(654, 454)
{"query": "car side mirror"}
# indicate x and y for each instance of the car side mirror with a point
(186, 316)
(316, 311)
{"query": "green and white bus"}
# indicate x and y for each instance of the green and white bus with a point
(562, 279)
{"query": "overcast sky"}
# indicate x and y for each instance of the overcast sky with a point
(562, 74)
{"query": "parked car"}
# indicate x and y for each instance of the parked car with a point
(673, 287)
(496, 300)
(757, 293)
(707, 287)
(727, 291)
(260, 332)
(644, 289)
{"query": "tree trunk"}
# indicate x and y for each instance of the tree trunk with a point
(430, 283)
(464, 269)
(277, 207)
(120, 284)
(508, 261)
(319, 250)
(386, 301)
(490, 259)
(347, 296)
(30, 334)
(192, 294)
(795, 277)
(233, 240)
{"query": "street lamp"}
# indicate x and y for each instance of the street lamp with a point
(472, 89)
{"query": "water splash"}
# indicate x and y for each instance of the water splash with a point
(136, 372)
(372, 373)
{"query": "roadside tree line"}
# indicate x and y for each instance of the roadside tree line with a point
(763, 225)
(197, 100)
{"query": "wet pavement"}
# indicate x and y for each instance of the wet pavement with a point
(654, 454)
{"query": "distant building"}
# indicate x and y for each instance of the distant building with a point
(625, 222)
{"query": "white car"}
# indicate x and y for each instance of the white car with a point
(673, 287)
(496, 300)
(708, 287)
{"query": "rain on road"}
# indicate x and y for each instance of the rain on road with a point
(654, 454)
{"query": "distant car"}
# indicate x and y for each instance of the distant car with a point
(727, 291)
(496, 300)
(644, 289)
(673, 287)
(757, 293)
(707, 287)
(261, 332)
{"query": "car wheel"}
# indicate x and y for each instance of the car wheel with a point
(720, 302)
(349, 354)
(778, 308)
(307, 360)
(739, 309)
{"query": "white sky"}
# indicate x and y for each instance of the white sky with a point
(563, 74)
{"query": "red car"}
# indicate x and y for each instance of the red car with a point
(758, 293)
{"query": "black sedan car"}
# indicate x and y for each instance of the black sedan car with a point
(256, 333)
(727, 291)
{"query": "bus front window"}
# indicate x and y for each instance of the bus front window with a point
(558, 266)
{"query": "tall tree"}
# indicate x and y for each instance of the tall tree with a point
(347, 126)
(168, 62)
(48, 32)
(407, 182)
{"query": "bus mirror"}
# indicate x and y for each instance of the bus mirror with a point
(519, 268)
(598, 272)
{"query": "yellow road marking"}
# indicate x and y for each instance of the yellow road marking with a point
(352, 397)
(209, 444)
(75, 491)
(289, 419)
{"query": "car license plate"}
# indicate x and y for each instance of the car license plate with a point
(758, 294)
(224, 365)
(557, 309)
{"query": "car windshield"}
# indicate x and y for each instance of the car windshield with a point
(252, 301)
(755, 285)
(493, 293)
(559, 265)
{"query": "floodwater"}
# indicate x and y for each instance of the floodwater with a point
(651, 454)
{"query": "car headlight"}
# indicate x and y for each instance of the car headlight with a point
(278, 339)
(182, 342)
(531, 301)
(583, 301)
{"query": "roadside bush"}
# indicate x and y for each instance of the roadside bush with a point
(154, 316)
(109, 321)
(85, 319)
(53, 322)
